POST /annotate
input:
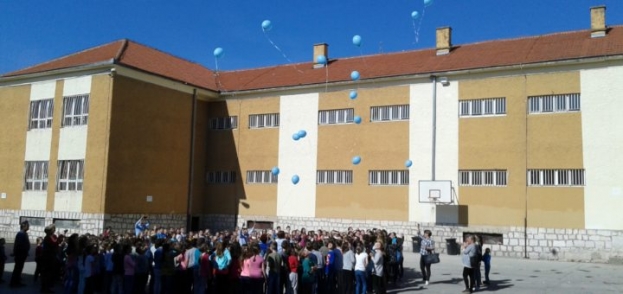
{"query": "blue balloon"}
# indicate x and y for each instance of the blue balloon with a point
(408, 163)
(267, 25)
(301, 133)
(218, 52)
(295, 179)
(356, 160)
(275, 171)
(321, 59)
(357, 40)
(428, 2)
(357, 119)
(296, 136)
(353, 94)
(415, 15)
(354, 75)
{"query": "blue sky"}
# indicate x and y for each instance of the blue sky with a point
(36, 31)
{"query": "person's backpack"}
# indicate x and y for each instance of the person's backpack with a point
(393, 254)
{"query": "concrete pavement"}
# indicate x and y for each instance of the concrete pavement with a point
(507, 276)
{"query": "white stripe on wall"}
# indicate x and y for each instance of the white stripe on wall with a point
(75, 86)
(35, 200)
(601, 105)
(72, 143)
(42, 90)
(420, 145)
(298, 112)
(38, 144)
(68, 201)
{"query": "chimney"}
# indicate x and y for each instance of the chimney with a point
(444, 40)
(321, 49)
(598, 21)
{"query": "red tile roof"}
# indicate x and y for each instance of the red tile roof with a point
(498, 53)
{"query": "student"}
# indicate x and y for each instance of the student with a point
(293, 265)
(427, 246)
(274, 262)
(3, 259)
(486, 259)
(361, 263)
(469, 251)
(377, 277)
(348, 264)
(141, 226)
(38, 258)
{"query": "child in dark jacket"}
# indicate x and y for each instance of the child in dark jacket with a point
(486, 259)
(38, 254)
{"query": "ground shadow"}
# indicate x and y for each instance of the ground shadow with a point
(496, 285)
(411, 281)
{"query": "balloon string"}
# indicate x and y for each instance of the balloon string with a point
(417, 32)
(280, 51)
(326, 74)
(363, 57)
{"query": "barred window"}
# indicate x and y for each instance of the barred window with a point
(482, 178)
(41, 112)
(259, 121)
(556, 177)
(70, 175)
(261, 177)
(388, 177)
(224, 123)
(75, 110)
(389, 113)
(221, 177)
(36, 176)
(336, 116)
(554, 103)
(482, 107)
(343, 177)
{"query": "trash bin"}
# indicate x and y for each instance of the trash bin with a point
(416, 244)
(452, 248)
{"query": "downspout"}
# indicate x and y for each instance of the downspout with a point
(191, 166)
(433, 153)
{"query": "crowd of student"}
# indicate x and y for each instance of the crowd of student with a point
(244, 260)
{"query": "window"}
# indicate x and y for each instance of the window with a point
(259, 121)
(70, 175)
(388, 177)
(221, 177)
(67, 223)
(556, 177)
(482, 178)
(33, 221)
(343, 177)
(554, 103)
(482, 107)
(336, 116)
(261, 177)
(75, 110)
(41, 112)
(36, 176)
(389, 113)
(224, 123)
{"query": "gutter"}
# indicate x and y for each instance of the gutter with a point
(102, 65)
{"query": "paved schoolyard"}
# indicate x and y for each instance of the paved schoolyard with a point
(507, 276)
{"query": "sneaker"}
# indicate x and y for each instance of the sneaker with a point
(426, 283)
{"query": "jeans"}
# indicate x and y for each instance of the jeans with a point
(468, 273)
(128, 284)
(16, 277)
(198, 282)
(273, 283)
(360, 277)
(425, 268)
(117, 284)
(379, 284)
(487, 270)
(157, 281)
(346, 284)
(477, 276)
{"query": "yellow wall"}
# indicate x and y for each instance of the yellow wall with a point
(148, 149)
(381, 145)
(14, 110)
(500, 143)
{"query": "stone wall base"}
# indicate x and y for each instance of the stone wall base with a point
(600, 246)
(83, 223)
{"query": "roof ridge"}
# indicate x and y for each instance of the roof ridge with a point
(121, 51)
(166, 53)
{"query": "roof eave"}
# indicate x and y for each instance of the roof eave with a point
(106, 64)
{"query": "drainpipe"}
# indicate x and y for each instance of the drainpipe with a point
(191, 167)
(433, 159)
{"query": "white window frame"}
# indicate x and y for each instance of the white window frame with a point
(388, 177)
(389, 113)
(75, 110)
(484, 178)
(41, 113)
(36, 175)
(224, 123)
(70, 175)
(264, 120)
(336, 116)
(221, 177)
(556, 178)
(261, 177)
(554, 103)
(334, 177)
(482, 107)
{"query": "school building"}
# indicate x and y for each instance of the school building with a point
(515, 139)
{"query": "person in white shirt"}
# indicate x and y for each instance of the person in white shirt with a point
(361, 263)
